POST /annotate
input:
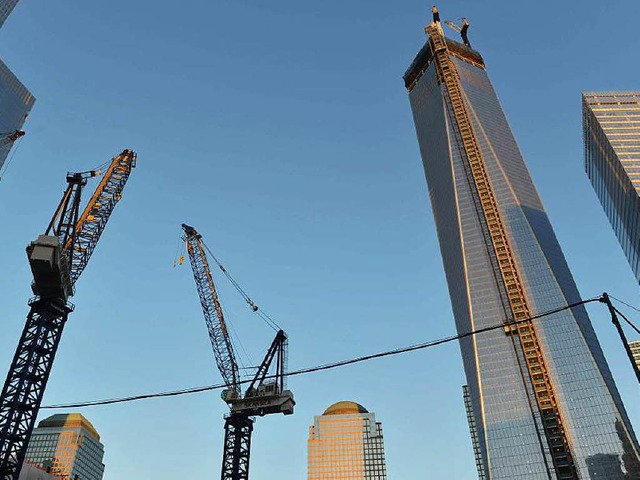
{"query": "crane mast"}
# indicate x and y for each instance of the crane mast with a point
(266, 393)
(57, 259)
(495, 231)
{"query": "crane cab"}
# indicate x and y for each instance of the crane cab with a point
(50, 268)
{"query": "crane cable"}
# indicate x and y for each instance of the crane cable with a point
(266, 318)
(327, 366)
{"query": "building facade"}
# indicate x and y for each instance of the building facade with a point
(29, 472)
(68, 446)
(542, 398)
(635, 350)
(6, 6)
(15, 100)
(346, 443)
(611, 128)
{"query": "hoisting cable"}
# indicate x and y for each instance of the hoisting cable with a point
(266, 318)
(326, 366)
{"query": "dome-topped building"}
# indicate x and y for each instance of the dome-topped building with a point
(345, 408)
(346, 443)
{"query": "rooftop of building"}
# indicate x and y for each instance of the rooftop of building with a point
(345, 408)
(69, 420)
(424, 58)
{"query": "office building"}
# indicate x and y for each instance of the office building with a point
(67, 445)
(6, 6)
(346, 443)
(29, 472)
(542, 398)
(15, 100)
(611, 128)
(635, 350)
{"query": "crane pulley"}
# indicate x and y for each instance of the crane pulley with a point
(266, 393)
(57, 259)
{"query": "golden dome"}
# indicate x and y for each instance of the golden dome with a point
(70, 421)
(345, 408)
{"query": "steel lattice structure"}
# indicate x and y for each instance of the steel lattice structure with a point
(212, 310)
(237, 447)
(265, 395)
(57, 261)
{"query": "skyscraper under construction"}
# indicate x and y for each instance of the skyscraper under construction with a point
(543, 400)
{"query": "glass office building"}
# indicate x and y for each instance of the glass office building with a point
(15, 104)
(514, 436)
(6, 6)
(67, 445)
(635, 350)
(611, 124)
(15, 100)
(346, 443)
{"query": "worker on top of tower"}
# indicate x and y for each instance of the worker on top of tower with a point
(463, 32)
(436, 14)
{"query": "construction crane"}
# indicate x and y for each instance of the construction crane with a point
(266, 393)
(9, 138)
(57, 259)
(524, 332)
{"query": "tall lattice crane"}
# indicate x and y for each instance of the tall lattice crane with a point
(265, 395)
(524, 333)
(57, 259)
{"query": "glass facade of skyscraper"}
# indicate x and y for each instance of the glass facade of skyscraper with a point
(635, 350)
(346, 443)
(15, 100)
(15, 105)
(6, 6)
(513, 435)
(67, 445)
(611, 122)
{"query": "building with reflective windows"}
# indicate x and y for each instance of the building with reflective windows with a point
(15, 100)
(15, 105)
(541, 395)
(67, 445)
(346, 443)
(6, 6)
(635, 350)
(29, 472)
(611, 123)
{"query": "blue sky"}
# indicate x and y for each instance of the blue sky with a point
(282, 132)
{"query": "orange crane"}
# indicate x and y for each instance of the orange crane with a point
(57, 259)
(266, 393)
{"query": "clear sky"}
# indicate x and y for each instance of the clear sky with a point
(282, 131)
